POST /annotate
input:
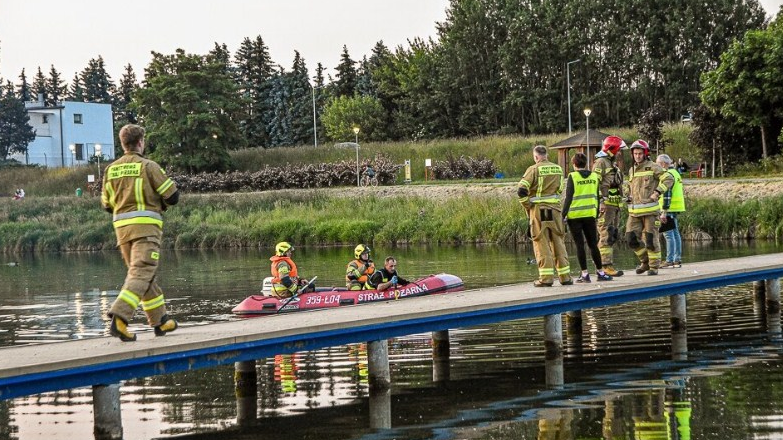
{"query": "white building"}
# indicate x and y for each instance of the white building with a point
(67, 134)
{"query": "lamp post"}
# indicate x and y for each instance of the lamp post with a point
(568, 77)
(98, 155)
(356, 139)
(315, 123)
(72, 147)
(587, 112)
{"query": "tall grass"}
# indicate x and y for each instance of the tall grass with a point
(314, 218)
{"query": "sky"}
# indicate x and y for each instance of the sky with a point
(67, 34)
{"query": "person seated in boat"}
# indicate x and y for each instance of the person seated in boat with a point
(285, 277)
(387, 277)
(360, 269)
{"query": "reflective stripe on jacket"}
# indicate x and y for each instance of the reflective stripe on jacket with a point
(357, 280)
(677, 203)
(644, 179)
(584, 203)
(544, 183)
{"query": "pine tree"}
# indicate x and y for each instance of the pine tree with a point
(301, 108)
(23, 90)
(39, 86)
(220, 55)
(76, 92)
(124, 113)
(96, 82)
(346, 75)
(253, 71)
(364, 84)
(321, 95)
(278, 113)
(15, 130)
(56, 89)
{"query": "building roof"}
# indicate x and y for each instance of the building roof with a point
(580, 140)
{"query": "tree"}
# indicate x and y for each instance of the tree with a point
(76, 92)
(253, 71)
(96, 82)
(39, 86)
(123, 111)
(344, 113)
(346, 75)
(651, 126)
(56, 88)
(747, 84)
(189, 106)
(23, 90)
(15, 130)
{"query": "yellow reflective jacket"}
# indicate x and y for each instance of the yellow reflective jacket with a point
(644, 179)
(543, 183)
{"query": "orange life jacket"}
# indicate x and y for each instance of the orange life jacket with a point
(364, 279)
(276, 260)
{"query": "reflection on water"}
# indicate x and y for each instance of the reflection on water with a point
(625, 375)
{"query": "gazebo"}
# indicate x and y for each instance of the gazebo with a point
(588, 142)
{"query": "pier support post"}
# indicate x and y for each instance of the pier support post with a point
(758, 289)
(378, 364)
(440, 356)
(106, 412)
(574, 321)
(553, 336)
(772, 290)
(553, 371)
(380, 409)
(246, 391)
(679, 312)
(679, 345)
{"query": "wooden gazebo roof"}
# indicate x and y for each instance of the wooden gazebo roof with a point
(588, 142)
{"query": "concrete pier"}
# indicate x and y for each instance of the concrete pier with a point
(679, 312)
(246, 391)
(679, 345)
(441, 352)
(772, 291)
(380, 409)
(553, 335)
(553, 370)
(107, 416)
(378, 364)
(574, 321)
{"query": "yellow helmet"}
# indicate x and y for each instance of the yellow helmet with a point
(359, 250)
(283, 247)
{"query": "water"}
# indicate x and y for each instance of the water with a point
(621, 380)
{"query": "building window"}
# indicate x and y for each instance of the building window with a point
(79, 152)
(77, 118)
(44, 119)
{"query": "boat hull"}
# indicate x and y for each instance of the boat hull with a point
(325, 298)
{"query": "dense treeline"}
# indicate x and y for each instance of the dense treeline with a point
(497, 67)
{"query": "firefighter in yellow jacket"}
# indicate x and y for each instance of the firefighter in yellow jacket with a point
(285, 276)
(610, 193)
(136, 191)
(360, 269)
(647, 182)
(539, 193)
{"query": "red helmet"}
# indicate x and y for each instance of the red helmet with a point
(612, 145)
(641, 144)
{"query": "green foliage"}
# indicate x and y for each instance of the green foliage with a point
(15, 130)
(189, 106)
(344, 113)
(345, 85)
(96, 83)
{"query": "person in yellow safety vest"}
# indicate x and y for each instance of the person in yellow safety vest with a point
(539, 193)
(672, 203)
(580, 209)
(610, 199)
(285, 276)
(360, 269)
(136, 191)
(647, 182)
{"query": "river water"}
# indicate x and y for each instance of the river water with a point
(621, 379)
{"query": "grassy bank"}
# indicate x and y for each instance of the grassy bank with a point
(315, 218)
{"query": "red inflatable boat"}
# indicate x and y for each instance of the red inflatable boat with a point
(327, 297)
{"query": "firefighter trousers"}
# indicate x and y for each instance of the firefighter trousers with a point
(141, 256)
(608, 233)
(642, 234)
(547, 231)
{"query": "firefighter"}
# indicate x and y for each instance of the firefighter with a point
(610, 193)
(360, 269)
(285, 276)
(136, 191)
(539, 193)
(647, 182)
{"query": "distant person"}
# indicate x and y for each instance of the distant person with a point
(539, 193)
(19, 194)
(672, 204)
(285, 276)
(360, 269)
(682, 166)
(369, 171)
(580, 209)
(137, 191)
(387, 277)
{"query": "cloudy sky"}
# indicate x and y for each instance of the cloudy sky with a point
(69, 33)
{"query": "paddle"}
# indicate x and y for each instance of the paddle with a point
(302, 289)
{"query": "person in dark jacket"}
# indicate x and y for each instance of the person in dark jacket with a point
(580, 209)
(387, 276)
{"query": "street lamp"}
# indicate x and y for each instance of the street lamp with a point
(98, 155)
(72, 147)
(587, 112)
(568, 76)
(356, 139)
(315, 123)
